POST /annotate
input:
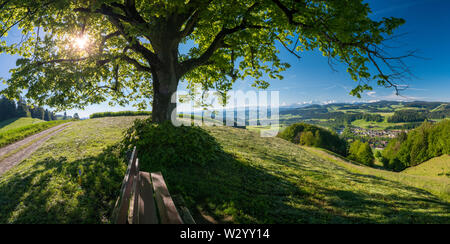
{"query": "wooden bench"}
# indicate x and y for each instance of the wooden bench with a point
(145, 199)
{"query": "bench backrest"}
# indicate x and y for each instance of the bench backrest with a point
(138, 195)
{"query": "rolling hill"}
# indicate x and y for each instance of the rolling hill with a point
(252, 180)
(436, 167)
(17, 123)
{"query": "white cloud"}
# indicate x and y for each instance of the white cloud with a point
(371, 93)
(329, 102)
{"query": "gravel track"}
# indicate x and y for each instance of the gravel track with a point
(36, 141)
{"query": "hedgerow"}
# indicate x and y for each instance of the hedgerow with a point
(121, 113)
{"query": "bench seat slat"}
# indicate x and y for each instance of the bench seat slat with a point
(146, 205)
(167, 211)
(126, 190)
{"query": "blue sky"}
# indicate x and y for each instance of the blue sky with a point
(311, 80)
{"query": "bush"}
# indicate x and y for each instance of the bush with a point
(169, 146)
(122, 113)
(310, 135)
(361, 152)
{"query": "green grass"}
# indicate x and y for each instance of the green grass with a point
(374, 125)
(437, 186)
(439, 166)
(269, 180)
(17, 123)
(252, 180)
(45, 187)
(12, 135)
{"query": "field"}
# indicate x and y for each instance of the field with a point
(258, 180)
(374, 125)
(17, 123)
(336, 116)
(45, 187)
(439, 167)
(255, 180)
(18, 133)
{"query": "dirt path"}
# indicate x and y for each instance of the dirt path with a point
(31, 144)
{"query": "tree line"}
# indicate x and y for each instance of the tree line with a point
(121, 113)
(314, 136)
(419, 145)
(10, 109)
(310, 135)
(409, 115)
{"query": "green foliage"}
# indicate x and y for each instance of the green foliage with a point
(128, 44)
(373, 117)
(7, 109)
(361, 152)
(170, 146)
(419, 145)
(13, 135)
(47, 115)
(407, 116)
(310, 135)
(378, 155)
(22, 109)
(121, 113)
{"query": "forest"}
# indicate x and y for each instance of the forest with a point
(310, 135)
(417, 146)
(10, 109)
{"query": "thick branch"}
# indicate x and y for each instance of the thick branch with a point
(135, 44)
(217, 42)
(105, 38)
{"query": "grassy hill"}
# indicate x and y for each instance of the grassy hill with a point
(253, 180)
(439, 167)
(17, 123)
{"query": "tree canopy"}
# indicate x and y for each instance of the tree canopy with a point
(76, 53)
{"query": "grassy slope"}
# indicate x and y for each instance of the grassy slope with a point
(258, 180)
(45, 189)
(17, 123)
(271, 180)
(18, 133)
(439, 166)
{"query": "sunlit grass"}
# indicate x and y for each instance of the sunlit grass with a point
(18, 133)
(45, 187)
(439, 167)
(255, 180)
(17, 123)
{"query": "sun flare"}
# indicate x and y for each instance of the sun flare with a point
(81, 42)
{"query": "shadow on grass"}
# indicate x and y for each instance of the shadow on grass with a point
(49, 190)
(228, 190)
(225, 190)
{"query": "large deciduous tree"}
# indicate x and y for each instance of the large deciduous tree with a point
(77, 53)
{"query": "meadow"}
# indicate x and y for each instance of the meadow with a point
(439, 166)
(47, 187)
(15, 132)
(251, 180)
(17, 123)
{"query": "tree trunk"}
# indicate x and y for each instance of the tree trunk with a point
(163, 107)
(165, 76)
(165, 84)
